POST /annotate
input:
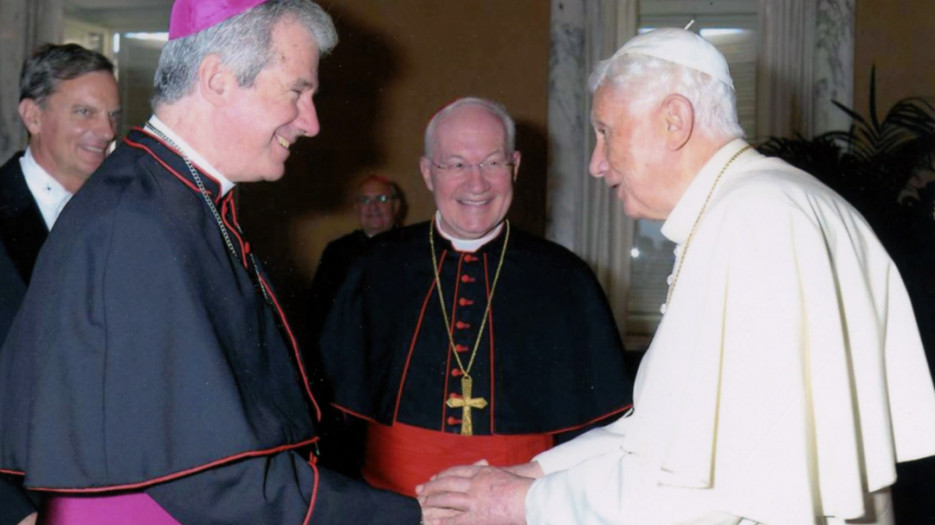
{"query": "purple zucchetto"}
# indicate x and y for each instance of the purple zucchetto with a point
(191, 16)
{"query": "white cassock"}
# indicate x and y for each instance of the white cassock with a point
(785, 381)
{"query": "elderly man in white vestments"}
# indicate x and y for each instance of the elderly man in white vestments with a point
(787, 376)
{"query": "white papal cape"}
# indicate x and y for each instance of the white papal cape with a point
(785, 381)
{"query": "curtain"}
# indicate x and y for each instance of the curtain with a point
(784, 72)
(24, 24)
(805, 60)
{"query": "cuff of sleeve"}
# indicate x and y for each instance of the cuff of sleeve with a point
(598, 441)
(541, 498)
(550, 461)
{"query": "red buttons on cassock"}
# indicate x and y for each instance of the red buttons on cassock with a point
(461, 348)
(454, 395)
(467, 279)
(465, 302)
(453, 421)
(461, 325)
(470, 258)
(456, 372)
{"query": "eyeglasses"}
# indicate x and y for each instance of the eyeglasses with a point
(382, 199)
(488, 167)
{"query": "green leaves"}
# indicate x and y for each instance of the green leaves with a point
(878, 165)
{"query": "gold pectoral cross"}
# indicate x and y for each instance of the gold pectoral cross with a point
(466, 403)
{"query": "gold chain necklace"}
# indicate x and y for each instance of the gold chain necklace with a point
(466, 403)
(691, 232)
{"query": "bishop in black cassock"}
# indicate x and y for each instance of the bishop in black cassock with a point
(151, 366)
(146, 358)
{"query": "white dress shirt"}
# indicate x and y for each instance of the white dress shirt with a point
(50, 196)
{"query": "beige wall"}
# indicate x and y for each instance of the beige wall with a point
(897, 36)
(397, 63)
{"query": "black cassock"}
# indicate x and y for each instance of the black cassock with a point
(145, 357)
(550, 359)
(340, 439)
(335, 261)
(22, 232)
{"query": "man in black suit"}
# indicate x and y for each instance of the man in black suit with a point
(69, 104)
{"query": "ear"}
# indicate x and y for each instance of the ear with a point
(31, 114)
(517, 157)
(425, 166)
(679, 118)
(215, 80)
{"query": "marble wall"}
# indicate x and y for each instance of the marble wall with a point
(568, 126)
(581, 213)
(833, 61)
(805, 60)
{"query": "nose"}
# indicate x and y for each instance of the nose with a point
(598, 165)
(106, 127)
(477, 182)
(307, 120)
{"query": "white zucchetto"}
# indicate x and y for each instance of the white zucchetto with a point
(681, 47)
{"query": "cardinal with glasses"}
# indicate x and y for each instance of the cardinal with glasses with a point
(464, 338)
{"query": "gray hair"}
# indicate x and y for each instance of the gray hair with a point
(494, 107)
(51, 64)
(244, 42)
(648, 80)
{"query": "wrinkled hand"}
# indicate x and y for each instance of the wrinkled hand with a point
(29, 520)
(477, 495)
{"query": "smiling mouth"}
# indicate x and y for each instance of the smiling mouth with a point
(95, 149)
(476, 204)
(282, 142)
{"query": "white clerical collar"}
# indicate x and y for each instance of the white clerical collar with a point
(466, 245)
(678, 225)
(49, 195)
(194, 156)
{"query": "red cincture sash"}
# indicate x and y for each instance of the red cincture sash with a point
(399, 457)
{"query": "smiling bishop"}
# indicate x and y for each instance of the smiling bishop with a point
(150, 376)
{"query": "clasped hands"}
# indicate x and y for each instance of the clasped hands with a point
(477, 495)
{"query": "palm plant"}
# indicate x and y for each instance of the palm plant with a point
(880, 166)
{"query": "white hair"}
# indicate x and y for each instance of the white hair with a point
(509, 127)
